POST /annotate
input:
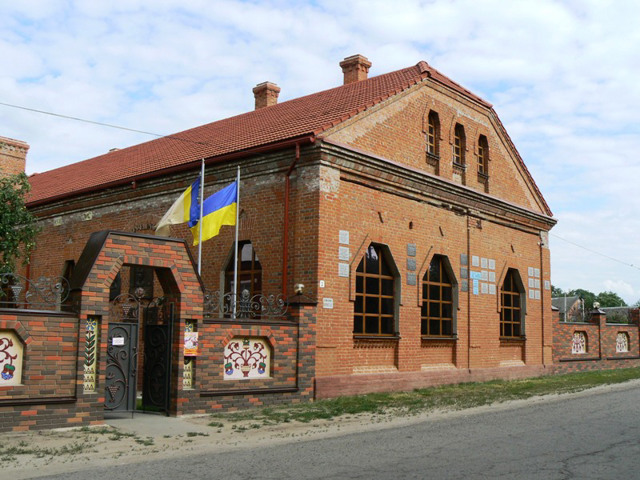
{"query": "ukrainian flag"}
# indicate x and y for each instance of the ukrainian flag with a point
(184, 209)
(217, 210)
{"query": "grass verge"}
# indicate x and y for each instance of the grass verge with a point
(451, 397)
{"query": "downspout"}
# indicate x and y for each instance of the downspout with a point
(542, 297)
(469, 287)
(285, 233)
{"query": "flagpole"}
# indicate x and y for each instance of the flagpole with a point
(235, 269)
(200, 217)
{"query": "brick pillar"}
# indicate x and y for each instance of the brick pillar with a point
(304, 310)
(599, 317)
(13, 156)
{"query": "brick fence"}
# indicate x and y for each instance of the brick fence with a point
(48, 395)
(596, 344)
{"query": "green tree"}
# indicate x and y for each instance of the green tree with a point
(586, 295)
(610, 299)
(18, 229)
(557, 292)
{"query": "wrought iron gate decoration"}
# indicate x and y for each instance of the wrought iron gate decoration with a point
(158, 331)
(247, 306)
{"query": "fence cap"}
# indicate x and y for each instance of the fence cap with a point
(300, 300)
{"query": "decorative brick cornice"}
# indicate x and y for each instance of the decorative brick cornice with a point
(13, 147)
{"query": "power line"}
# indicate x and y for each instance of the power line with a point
(78, 119)
(597, 253)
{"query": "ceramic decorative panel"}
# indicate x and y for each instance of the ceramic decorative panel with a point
(247, 358)
(187, 375)
(622, 342)
(90, 355)
(579, 343)
(11, 355)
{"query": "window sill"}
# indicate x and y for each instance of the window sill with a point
(461, 166)
(520, 339)
(432, 338)
(380, 338)
(433, 159)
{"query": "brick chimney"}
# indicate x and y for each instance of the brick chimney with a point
(266, 94)
(355, 68)
(13, 156)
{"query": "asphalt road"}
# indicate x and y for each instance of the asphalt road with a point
(594, 436)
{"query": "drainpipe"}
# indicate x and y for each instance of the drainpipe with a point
(542, 297)
(285, 233)
(469, 287)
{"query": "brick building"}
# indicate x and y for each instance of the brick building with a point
(398, 201)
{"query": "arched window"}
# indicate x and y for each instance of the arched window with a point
(512, 305)
(483, 156)
(374, 309)
(249, 271)
(433, 134)
(438, 300)
(458, 145)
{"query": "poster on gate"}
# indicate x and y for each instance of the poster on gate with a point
(191, 344)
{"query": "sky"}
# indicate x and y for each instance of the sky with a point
(562, 76)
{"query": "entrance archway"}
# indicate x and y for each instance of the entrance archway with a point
(141, 342)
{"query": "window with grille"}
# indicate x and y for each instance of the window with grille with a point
(483, 155)
(438, 302)
(374, 309)
(458, 145)
(433, 134)
(511, 311)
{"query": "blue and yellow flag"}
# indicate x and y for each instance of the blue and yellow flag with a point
(217, 210)
(185, 209)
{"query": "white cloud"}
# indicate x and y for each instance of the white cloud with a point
(620, 287)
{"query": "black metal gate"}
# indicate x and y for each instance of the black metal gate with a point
(122, 358)
(122, 354)
(158, 331)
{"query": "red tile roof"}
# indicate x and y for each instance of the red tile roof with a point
(298, 118)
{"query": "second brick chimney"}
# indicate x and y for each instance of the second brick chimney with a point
(266, 94)
(13, 156)
(355, 68)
